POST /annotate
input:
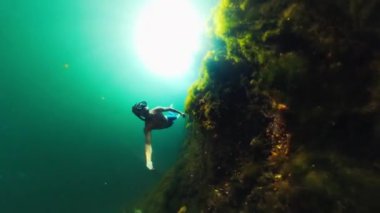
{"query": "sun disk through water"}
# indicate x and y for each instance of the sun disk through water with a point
(167, 36)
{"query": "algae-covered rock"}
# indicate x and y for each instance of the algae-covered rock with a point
(285, 116)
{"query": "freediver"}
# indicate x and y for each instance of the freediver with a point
(154, 119)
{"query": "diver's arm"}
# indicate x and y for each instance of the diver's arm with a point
(170, 109)
(148, 148)
(174, 110)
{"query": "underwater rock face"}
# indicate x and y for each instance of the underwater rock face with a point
(285, 116)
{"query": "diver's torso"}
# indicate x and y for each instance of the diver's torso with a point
(157, 120)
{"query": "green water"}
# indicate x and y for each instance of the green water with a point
(68, 78)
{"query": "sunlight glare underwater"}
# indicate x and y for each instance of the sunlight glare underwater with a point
(167, 37)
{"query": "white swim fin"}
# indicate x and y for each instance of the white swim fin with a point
(149, 165)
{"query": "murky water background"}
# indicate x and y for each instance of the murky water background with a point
(68, 79)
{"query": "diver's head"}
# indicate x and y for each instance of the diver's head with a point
(141, 105)
(140, 109)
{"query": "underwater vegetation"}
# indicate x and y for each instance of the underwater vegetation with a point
(285, 116)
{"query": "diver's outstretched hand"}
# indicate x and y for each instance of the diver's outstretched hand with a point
(149, 165)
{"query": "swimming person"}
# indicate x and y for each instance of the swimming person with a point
(156, 118)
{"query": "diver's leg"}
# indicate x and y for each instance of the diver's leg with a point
(148, 149)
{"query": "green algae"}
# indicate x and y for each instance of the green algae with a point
(285, 116)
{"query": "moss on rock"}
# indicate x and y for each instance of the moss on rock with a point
(285, 116)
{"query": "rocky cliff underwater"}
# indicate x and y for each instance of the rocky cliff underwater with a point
(285, 116)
